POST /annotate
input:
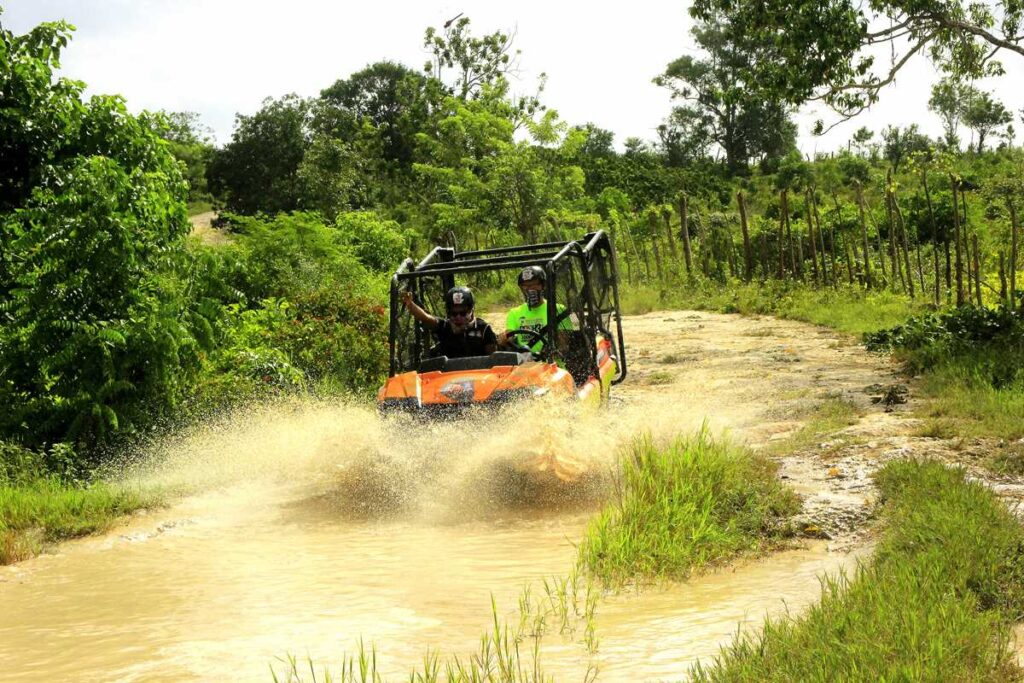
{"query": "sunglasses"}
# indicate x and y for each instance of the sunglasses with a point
(460, 314)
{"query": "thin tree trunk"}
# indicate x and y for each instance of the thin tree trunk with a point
(653, 224)
(849, 259)
(920, 265)
(782, 234)
(893, 251)
(810, 233)
(881, 249)
(864, 235)
(1002, 279)
(931, 222)
(856, 260)
(632, 244)
(938, 275)
(794, 271)
(667, 214)
(747, 259)
(800, 255)
(1014, 237)
(684, 222)
(765, 257)
(977, 269)
(906, 246)
(957, 240)
(827, 255)
(732, 256)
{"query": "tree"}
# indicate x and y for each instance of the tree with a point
(96, 335)
(862, 139)
(388, 96)
(901, 143)
(722, 106)
(822, 49)
(191, 144)
(258, 170)
(949, 100)
(466, 65)
(985, 115)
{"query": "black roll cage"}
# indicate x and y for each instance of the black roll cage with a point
(446, 262)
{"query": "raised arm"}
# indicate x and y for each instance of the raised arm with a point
(418, 313)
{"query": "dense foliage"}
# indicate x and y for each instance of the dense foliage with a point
(113, 321)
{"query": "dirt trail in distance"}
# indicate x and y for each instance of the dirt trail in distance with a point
(273, 556)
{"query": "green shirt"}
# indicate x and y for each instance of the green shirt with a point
(523, 317)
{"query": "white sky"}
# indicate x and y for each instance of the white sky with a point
(221, 57)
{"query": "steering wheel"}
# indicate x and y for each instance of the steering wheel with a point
(533, 337)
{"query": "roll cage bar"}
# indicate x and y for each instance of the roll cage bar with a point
(595, 254)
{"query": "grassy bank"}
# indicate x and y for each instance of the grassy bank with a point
(936, 602)
(846, 309)
(36, 514)
(43, 500)
(972, 362)
(693, 503)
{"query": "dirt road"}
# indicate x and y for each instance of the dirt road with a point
(317, 524)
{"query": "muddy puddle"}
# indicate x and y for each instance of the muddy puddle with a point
(310, 526)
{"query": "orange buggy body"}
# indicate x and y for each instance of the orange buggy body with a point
(581, 351)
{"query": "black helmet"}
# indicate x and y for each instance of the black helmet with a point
(458, 296)
(530, 273)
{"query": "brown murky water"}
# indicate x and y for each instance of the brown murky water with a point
(317, 525)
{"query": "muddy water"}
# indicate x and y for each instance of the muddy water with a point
(312, 526)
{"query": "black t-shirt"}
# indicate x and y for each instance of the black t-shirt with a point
(473, 341)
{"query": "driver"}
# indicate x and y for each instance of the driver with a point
(461, 333)
(533, 314)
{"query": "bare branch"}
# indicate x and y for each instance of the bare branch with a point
(873, 86)
(844, 117)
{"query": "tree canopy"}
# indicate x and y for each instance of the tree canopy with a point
(825, 49)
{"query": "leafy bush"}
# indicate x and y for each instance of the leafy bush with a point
(989, 342)
(380, 244)
(94, 340)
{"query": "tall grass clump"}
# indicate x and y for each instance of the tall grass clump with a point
(936, 603)
(695, 502)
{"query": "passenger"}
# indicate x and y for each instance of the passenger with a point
(461, 333)
(533, 314)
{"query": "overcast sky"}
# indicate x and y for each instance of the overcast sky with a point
(222, 57)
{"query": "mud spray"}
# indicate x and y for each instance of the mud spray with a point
(307, 526)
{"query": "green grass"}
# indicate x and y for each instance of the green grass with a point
(845, 309)
(936, 603)
(199, 206)
(692, 503)
(37, 513)
(821, 419)
(961, 407)
(971, 362)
